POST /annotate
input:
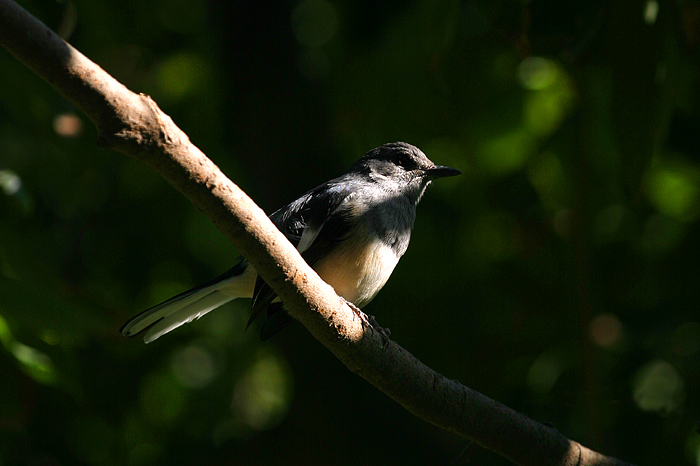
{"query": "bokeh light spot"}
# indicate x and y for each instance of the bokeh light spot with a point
(605, 330)
(68, 125)
(507, 152)
(658, 387)
(10, 183)
(194, 366)
(544, 372)
(537, 73)
(651, 11)
(262, 395)
(33, 362)
(551, 95)
(544, 112)
(674, 192)
(181, 75)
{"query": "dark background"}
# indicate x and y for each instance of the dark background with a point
(557, 275)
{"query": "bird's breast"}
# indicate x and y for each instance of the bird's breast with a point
(357, 271)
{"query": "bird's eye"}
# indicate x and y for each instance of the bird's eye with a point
(401, 161)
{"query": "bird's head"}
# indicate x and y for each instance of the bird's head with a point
(403, 167)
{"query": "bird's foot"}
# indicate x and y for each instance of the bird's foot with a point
(371, 322)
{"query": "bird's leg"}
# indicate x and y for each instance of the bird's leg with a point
(371, 322)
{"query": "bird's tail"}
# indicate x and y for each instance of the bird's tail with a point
(183, 308)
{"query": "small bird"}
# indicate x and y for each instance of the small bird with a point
(352, 230)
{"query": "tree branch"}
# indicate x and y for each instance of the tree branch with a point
(133, 124)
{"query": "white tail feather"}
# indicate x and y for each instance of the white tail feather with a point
(238, 282)
(188, 313)
(164, 309)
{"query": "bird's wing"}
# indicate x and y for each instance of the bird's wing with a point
(314, 225)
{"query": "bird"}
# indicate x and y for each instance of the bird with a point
(352, 230)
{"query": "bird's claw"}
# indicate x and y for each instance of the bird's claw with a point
(370, 321)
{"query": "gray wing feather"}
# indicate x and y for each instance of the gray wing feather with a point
(312, 225)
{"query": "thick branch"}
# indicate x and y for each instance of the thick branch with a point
(133, 124)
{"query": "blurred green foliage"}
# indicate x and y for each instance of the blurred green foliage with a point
(557, 275)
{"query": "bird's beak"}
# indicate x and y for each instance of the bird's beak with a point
(439, 171)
